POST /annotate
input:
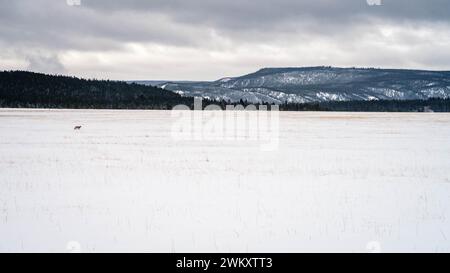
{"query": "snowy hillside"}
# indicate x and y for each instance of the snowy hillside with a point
(312, 84)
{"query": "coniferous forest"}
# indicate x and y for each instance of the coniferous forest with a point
(20, 89)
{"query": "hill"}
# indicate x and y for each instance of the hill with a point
(34, 90)
(322, 84)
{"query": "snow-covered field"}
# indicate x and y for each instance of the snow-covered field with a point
(337, 182)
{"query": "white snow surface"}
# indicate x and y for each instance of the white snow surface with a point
(338, 182)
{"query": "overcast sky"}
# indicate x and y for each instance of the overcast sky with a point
(210, 39)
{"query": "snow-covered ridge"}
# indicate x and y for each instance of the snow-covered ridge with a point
(315, 84)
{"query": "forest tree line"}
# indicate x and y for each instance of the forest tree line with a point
(20, 89)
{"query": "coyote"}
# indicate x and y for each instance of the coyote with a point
(77, 128)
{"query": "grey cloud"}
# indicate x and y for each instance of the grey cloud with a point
(245, 13)
(223, 32)
(100, 23)
(45, 64)
(57, 25)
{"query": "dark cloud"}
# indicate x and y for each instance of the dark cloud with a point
(250, 13)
